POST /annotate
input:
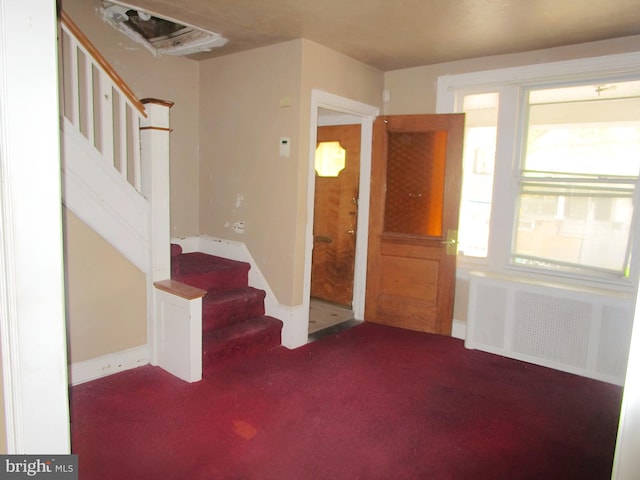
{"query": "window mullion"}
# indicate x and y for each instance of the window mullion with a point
(505, 185)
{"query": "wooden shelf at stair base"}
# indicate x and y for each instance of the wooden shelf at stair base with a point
(180, 289)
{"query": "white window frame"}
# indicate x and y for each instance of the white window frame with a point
(512, 84)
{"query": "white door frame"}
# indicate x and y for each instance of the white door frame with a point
(365, 115)
(32, 318)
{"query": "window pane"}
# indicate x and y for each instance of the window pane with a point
(481, 122)
(582, 159)
(415, 176)
(598, 134)
(573, 227)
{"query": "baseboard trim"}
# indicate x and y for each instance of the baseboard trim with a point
(459, 329)
(106, 365)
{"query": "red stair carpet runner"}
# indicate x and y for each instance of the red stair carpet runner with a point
(234, 324)
(372, 403)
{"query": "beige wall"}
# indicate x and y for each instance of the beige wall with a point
(413, 90)
(332, 72)
(167, 78)
(248, 101)
(106, 295)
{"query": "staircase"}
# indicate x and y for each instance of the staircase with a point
(115, 151)
(234, 324)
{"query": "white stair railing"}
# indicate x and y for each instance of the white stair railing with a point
(115, 151)
(98, 104)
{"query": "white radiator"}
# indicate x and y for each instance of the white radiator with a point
(573, 329)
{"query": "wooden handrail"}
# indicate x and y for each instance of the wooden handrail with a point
(157, 101)
(117, 79)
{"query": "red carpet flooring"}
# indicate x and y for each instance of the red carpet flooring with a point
(372, 402)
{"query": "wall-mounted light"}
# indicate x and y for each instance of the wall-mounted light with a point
(330, 159)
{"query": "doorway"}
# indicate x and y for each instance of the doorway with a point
(331, 110)
(337, 170)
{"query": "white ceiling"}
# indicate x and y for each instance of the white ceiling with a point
(394, 34)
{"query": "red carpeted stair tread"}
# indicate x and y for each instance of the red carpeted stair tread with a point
(233, 321)
(241, 340)
(197, 262)
(222, 309)
(209, 272)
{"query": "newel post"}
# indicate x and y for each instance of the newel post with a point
(154, 155)
(155, 185)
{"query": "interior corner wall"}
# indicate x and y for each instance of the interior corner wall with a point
(164, 77)
(332, 72)
(106, 295)
(248, 190)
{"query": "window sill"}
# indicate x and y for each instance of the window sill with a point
(619, 288)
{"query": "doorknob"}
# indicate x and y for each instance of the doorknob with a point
(451, 242)
(351, 232)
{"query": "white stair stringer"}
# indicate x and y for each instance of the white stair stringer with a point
(98, 194)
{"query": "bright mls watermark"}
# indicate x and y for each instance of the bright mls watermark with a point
(52, 467)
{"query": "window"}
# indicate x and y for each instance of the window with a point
(580, 165)
(551, 163)
(481, 124)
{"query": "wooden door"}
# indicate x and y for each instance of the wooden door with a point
(416, 179)
(335, 220)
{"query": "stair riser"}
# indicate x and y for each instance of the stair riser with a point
(216, 353)
(216, 281)
(223, 314)
(255, 336)
(209, 272)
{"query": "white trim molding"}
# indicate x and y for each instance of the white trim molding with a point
(364, 115)
(511, 84)
(81, 372)
(621, 65)
(32, 320)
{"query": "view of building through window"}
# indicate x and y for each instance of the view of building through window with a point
(580, 168)
(574, 200)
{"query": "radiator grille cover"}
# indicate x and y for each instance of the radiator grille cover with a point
(491, 315)
(553, 328)
(612, 355)
(577, 330)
